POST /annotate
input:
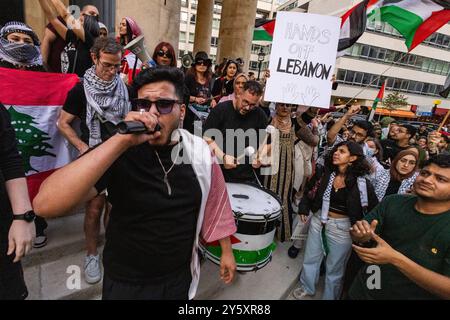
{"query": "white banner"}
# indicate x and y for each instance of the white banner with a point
(303, 59)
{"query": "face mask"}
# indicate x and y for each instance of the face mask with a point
(371, 152)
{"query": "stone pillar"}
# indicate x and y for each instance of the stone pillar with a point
(203, 26)
(158, 19)
(35, 17)
(236, 30)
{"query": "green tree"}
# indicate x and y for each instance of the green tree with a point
(394, 101)
(31, 140)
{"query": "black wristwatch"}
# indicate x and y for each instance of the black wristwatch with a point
(27, 216)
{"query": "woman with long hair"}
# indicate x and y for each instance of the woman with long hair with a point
(131, 65)
(336, 197)
(198, 86)
(79, 34)
(164, 55)
(224, 86)
(282, 181)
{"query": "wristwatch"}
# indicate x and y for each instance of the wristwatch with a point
(27, 216)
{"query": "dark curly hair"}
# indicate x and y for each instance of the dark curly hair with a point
(358, 168)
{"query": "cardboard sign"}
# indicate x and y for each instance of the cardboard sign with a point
(303, 59)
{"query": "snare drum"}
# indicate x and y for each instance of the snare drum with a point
(257, 213)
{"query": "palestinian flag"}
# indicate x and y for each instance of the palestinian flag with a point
(446, 88)
(264, 30)
(353, 25)
(34, 101)
(416, 20)
(378, 99)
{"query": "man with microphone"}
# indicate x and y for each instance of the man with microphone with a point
(100, 100)
(166, 190)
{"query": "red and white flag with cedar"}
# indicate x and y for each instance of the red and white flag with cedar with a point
(34, 101)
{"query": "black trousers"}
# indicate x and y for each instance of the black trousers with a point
(12, 283)
(170, 287)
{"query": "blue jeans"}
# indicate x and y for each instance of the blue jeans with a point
(340, 247)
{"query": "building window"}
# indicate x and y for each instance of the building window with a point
(362, 79)
(182, 36)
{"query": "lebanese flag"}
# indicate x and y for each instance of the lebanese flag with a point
(353, 25)
(416, 20)
(34, 101)
(264, 30)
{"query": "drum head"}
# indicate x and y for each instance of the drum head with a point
(252, 202)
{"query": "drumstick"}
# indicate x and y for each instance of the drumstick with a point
(249, 151)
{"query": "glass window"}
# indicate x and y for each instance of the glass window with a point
(366, 78)
(349, 76)
(341, 75)
(365, 51)
(182, 36)
(358, 78)
(191, 38)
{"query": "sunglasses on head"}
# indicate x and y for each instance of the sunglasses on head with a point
(162, 53)
(164, 106)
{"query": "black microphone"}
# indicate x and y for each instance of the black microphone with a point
(135, 127)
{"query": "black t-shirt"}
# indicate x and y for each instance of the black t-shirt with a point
(223, 87)
(197, 89)
(393, 187)
(150, 234)
(224, 116)
(76, 56)
(11, 165)
(75, 104)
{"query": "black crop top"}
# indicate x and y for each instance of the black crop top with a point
(338, 201)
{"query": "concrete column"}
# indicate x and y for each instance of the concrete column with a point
(35, 17)
(203, 26)
(158, 19)
(236, 30)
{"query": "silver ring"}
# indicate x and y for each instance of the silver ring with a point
(141, 112)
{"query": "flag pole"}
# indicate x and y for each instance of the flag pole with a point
(377, 78)
(443, 122)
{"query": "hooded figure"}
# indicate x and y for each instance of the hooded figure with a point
(20, 55)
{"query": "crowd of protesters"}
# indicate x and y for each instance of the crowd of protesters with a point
(358, 193)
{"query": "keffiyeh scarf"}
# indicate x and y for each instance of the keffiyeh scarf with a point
(106, 102)
(19, 54)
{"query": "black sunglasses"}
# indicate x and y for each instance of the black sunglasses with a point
(202, 63)
(164, 106)
(162, 53)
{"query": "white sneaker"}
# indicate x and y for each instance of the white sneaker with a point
(92, 269)
(300, 293)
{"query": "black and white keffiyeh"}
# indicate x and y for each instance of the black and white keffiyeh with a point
(106, 101)
(19, 54)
